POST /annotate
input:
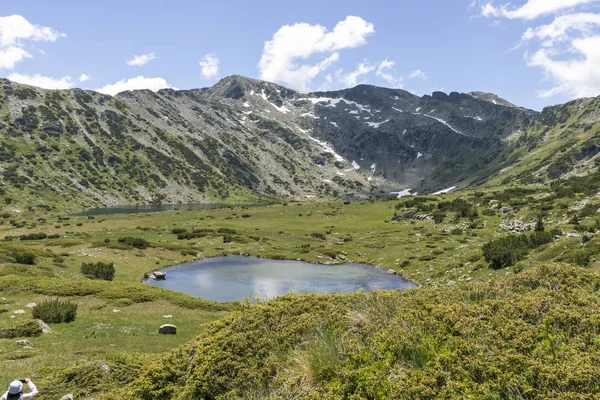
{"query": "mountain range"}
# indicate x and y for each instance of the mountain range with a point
(246, 139)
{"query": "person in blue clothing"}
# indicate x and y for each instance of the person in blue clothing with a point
(15, 390)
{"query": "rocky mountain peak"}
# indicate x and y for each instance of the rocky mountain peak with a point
(492, 98)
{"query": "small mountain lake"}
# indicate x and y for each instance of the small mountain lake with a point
(233, 278)
(146, 208)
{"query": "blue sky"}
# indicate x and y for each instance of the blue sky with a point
(532, 52)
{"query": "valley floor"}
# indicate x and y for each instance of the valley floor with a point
(116, 325)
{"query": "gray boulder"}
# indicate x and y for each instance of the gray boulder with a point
(23, 342)
(158, 275)
(167, 329)
(67, 397)
(45, 328)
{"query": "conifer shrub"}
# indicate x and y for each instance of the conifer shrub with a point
(55, 311)
(24, 257)
(138, 243)
(506, 251)
(98, 270)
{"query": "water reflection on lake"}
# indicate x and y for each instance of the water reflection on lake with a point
(233, 278)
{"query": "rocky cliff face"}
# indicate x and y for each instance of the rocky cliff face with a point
(241, 138)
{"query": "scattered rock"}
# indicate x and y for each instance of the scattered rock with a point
(158, 275)
(31, 305)
(44, 327)
(451, 283)
(167, 316)
(573, 234)
(28, 348)
(19, 312)
(67, 397)
(412, 215)
(167, 329)
(23, 342)
(392, 272)
(116, 310)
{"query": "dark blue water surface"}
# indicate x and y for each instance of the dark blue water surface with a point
(146, 208)
(233, 278)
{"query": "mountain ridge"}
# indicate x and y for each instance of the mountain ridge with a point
(244, 137)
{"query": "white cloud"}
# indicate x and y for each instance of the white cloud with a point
(138, 61)
(44, 82)
(11, 55)
(209, 66)
(351, 78)
(574, 77)
(136, 83)
(560, 29)
(15, 32)
(532, 9)
(568, 48)
(417, 73)
(84, 77)
(291, 43)
(14, 29)
(383, 71)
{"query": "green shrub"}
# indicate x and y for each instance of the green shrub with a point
(227, 231)
(581, 258)
(506, 251)
(438, 216)
(318, 235)
(27, 329)
(227, 238)
(135, 242)
(55, 311)
(98, 270)
(24, 257)
(537, 238)
(456, 231)
(177, 231)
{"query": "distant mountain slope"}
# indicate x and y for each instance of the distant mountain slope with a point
(562, 143)
(492, 98)
(243, 138)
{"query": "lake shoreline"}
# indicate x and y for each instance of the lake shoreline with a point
(405, 281)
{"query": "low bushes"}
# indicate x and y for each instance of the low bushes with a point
(98, 270)
(135, 242)
(506, 251)
(55, 311)
(23, 257)
(20, 329)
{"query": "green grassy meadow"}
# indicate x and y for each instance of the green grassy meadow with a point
(117, 322)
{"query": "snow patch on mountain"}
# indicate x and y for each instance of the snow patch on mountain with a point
(445, 123)
(324, 145)
(403, 193)
(445, 190)
(377, 124)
